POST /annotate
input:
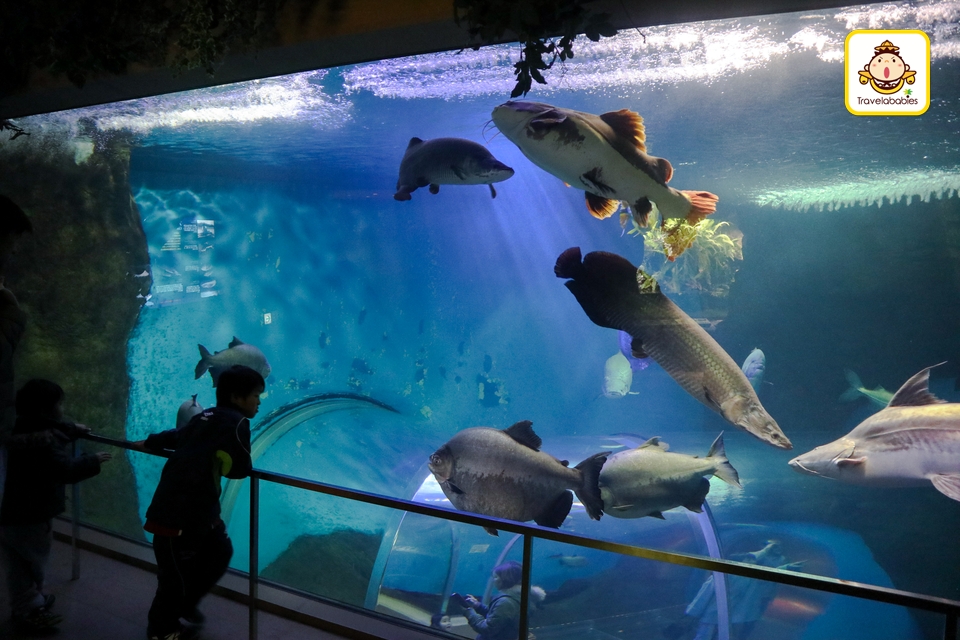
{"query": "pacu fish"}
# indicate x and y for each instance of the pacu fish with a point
(607, 287)
(879, 396)
(237, 352)
(605, 155)
(188, 409)
(649, 480)
(505, 475)
(915, 440)
(617, 376)
(754, 367)
(447, 161)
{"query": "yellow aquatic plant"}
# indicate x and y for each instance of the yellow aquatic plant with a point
(699, 257)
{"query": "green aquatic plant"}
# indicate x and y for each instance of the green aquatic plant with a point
(546, 30)
(700, 257)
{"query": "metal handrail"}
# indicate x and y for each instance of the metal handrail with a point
(944, 606)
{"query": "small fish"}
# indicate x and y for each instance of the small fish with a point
(617, 376)
(504, 474)
(570, 560)
(914, 441)
(754, 367)
(487, 363)
(878, 395)
(649, 480)
(447, 161)
(361, 366)
(604, 155)
(209, 284)
(362, 316)
(636, 364)
(443, 372)
(187, 410)
(144, 274)
(237, 352)
(324, 340)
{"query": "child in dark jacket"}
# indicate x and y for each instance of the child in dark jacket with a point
(190, 540)
(39, 464)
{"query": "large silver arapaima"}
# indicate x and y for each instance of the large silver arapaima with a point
(914, 441)
(606, 286)
(504, 474)
(650, 479)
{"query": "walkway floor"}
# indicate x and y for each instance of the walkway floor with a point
(111, 600)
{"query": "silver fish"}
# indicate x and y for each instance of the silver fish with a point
(649, 480)
(237, 352)
(754, 367)
(607, 287)
(505, 475)
(617, 376)
(914, 441)
(879, 396)
(604, 155)
(447, 161)
(187, 410)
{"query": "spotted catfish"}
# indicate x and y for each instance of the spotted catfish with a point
(605, 155)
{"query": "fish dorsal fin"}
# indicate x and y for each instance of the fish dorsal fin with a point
(601, 208)
(655, 442)
(236, 342)
(627, 124)
(915, 391)
(414, 142)
(522, 433)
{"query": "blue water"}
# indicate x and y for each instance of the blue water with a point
(446, 307)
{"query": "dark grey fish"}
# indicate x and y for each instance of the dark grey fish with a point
(362, 316)
(447, 161)
(504, 474)
(606, 286)
(487, 363)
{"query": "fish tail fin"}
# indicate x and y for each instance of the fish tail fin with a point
(702, 204)
(725, 470)
(589, 491)
(204, 363)
(855, 383)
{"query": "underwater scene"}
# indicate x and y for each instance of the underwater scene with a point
(695, 304)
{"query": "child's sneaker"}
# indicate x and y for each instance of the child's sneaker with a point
(175, 635)
(39, 619)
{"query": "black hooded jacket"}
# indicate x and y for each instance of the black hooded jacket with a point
(38, 465)
(214, 444)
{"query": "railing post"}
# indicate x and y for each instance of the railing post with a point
(525, 586)
(950, 630)
(75, 525)
(254, 553)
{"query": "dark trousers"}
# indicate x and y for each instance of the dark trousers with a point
(26, 550)
(188, 566)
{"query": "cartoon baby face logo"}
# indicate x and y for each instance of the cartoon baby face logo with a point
(887, 72)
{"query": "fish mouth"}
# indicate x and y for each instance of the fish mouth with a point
(799, 466)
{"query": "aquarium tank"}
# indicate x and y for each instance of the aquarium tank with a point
(276, 213)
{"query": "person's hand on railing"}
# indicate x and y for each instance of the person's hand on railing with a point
(103, 456)
(139, 445)
(82, 428)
